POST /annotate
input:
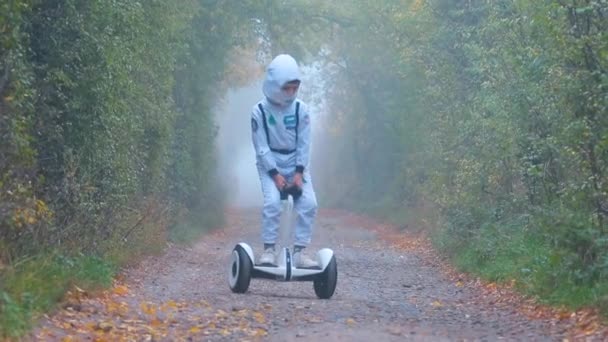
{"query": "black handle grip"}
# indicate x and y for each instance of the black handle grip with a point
(292, 190)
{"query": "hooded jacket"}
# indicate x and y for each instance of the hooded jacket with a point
(282, 140)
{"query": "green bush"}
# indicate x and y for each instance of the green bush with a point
(494, 114)
(107, 134)
(32, 286)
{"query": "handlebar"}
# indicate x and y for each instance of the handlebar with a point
(292, 190)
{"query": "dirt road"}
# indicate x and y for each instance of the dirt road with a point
(383, 294)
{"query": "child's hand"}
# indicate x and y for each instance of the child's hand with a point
(298, 180)
(279, 181)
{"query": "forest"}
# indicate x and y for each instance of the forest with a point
(483, 124)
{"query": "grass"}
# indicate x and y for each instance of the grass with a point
(538, 269)
(34, 285)
(505, 252)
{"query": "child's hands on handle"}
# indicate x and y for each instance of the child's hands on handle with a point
(298, 180)
(279, 181)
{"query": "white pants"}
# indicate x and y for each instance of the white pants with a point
(305, 207)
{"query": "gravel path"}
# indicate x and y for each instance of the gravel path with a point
(383, 294)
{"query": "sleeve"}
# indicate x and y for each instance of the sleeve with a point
(303, 147)
(260, 144)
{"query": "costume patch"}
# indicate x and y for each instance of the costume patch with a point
(271, 120)
(289, 121)
(254, 125)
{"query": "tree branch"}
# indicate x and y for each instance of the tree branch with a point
(4, 78)
(333, 19)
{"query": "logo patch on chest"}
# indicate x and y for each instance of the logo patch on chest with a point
(289, 121)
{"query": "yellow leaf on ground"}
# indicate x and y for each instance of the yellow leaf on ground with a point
(155, 322)
(194, 330)
(90, 326)
(259, 317)
(436, 304)
(112, 307)
(148, 308)
(350, 321)
(121, 290)
(259, 332)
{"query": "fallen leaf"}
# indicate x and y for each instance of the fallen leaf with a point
(259, 317)
(104, 326)
(156, 323)
(350, 321)
(436, 304)
(147, 308)
(259, 332)
(121, 290)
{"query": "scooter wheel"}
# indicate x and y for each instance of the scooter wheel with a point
(240, 270)
(325, 283)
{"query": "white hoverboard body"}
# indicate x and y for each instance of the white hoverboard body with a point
(243, 266)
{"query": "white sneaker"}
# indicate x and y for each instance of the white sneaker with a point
(301, 260)
(268, 257)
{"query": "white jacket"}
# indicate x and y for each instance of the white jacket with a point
(282, 140)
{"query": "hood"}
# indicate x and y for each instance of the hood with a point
(281, 70)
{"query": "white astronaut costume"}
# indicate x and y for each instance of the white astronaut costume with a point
(280, 127)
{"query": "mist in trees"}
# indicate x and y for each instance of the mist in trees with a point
(484, 123)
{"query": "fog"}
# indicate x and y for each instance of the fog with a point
(235, 151)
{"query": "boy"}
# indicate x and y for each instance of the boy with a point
(280, 127)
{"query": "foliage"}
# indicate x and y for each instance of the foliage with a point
(107, 118)
(106, 128)
(33, 285)
(492, 113)
(488, 119)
